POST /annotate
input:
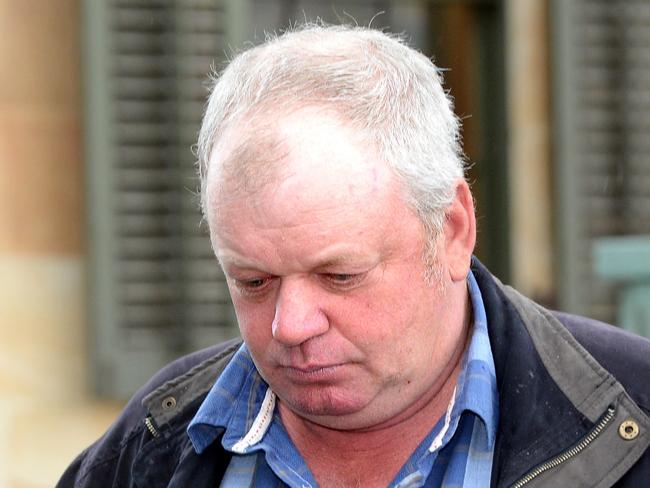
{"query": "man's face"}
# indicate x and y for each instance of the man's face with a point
(325, 269)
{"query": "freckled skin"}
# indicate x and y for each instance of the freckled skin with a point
(359, 353)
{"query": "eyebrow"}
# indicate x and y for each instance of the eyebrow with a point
(233, 259)
(327, 259)
(349, 258)
(327, 263)
(338, 260)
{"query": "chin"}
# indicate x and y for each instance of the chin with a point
(323, 402)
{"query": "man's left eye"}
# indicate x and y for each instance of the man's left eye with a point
(342, 280)
(340, 277)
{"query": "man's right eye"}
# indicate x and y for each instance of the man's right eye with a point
(256, 283)
(251, 286)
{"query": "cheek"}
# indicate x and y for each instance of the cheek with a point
(254, 320)
(402, 320)
(372, 321)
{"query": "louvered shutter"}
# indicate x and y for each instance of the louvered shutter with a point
(156, 290)
(602, 135)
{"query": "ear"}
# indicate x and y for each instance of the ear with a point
(460, 232)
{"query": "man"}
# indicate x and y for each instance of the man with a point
(376, 351)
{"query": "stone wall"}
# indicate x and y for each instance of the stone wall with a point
(46, 413)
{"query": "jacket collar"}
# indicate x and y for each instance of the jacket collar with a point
(169, 400)
(551, 395)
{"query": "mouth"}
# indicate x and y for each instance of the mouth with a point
(313, 373)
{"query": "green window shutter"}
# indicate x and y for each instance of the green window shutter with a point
(155, 289)
(602, 95)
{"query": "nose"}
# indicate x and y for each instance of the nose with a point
(298, 315)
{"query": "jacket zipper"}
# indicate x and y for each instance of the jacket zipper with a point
(574, 451)
(148, 421)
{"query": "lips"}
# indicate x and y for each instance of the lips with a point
(309, 368)
(313, 372)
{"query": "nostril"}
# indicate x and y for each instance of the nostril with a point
(274, 324)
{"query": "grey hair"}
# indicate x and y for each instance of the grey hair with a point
(379, 85)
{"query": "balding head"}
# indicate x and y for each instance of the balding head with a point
(376, 84)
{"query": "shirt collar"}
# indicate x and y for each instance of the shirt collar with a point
(476, 389)
(234, 404)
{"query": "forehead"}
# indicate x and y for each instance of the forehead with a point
(330, 187)
(307, 151)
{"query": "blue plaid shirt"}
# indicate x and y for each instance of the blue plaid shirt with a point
(457, 451)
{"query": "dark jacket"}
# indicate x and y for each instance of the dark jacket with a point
(574, 400)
